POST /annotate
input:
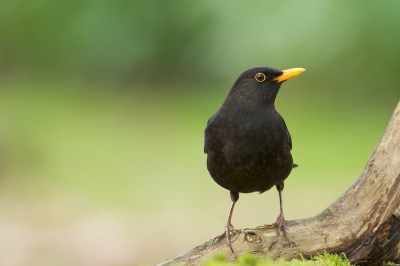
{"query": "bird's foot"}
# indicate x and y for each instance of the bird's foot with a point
(280, 225)
(229, 229)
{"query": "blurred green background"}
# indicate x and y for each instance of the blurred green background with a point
(103, 106)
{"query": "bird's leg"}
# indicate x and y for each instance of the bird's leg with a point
(279, 224)
(228, 226)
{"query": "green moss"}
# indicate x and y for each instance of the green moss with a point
(249, 260)
(389, 263)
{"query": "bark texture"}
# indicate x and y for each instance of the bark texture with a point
(364, 222)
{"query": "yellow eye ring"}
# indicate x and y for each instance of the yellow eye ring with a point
(260, 77)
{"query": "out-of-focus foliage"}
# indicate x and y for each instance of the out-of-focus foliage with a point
(126, 40)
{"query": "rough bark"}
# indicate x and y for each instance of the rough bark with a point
(364, 222)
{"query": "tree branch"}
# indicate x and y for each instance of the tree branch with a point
(364, 222)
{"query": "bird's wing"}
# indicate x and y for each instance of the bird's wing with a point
(288, 135)
(289, 140)
(206, 136)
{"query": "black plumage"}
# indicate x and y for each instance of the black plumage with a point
(247, 142)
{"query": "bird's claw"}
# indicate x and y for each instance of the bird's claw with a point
(280, 225)
(229, 229)
(281, 228)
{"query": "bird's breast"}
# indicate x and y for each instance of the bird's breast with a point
(248, 152)
(248, 137)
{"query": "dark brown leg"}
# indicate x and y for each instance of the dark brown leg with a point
(279, 221)
(228, 226)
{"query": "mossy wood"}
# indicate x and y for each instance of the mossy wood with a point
(364, 222)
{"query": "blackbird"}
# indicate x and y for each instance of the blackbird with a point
(247, 142)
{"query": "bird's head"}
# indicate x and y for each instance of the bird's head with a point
(261, 84)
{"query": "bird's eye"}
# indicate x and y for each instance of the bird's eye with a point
(260, 77)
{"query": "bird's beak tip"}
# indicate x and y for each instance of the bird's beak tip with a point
(289, 73)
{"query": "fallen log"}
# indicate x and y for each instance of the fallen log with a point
(364, 222)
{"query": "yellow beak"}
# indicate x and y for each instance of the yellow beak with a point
(288, 74)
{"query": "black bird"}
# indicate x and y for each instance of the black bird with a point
(247, 142)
